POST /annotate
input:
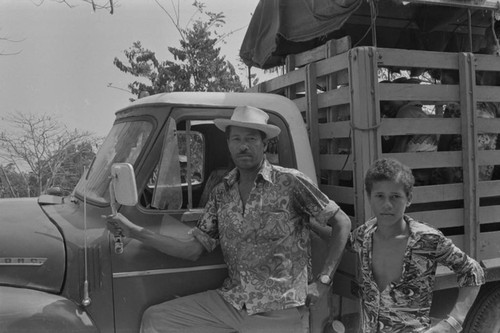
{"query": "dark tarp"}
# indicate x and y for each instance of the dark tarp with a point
(291, 26)
(282, 27)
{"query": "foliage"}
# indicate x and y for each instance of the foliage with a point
(196, 66)
(41, 153)
(12, 182)
(95, 4)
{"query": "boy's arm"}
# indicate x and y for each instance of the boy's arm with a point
(470, 277)
(466, 297)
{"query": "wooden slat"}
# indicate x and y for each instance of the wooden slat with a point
(333, 97)
(436, 193)
(425, 93)
(414, 58)
(489, 188)
(489, 245)
(336, 162)
(484, 4)
(339, 194)
(449, 192)
(322, 51)
(338, 129)
(445, 218)
(458, 240)
(486, 62)
(489, 214)
(332, 65)
(429, 159)
(301, 103)
(281, 82)
(485, 125)
(488, 157)
(408, 126)
(487, 93)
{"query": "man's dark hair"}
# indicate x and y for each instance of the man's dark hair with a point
(392, 170)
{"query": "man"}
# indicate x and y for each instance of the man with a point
(259, 215)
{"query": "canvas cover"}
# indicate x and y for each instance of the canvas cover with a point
(280, 27)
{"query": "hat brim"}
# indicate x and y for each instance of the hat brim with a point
(270, 130)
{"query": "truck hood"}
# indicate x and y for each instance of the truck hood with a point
(32, 252)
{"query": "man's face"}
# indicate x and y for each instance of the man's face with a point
(388, 201)
(246, 147)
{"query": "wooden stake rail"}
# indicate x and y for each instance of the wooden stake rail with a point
(339, 93)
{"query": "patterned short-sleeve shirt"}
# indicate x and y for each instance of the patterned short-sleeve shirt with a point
(266, 243)
(404, 305)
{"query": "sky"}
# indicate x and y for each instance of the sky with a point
(64, 60)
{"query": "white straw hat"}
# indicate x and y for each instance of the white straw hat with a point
(249, 117)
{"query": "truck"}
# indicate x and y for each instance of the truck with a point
(61, 270)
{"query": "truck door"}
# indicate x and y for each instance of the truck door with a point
(173, 185)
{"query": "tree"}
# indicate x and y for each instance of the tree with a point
(44, 152)
(197, 64)
(96, 4)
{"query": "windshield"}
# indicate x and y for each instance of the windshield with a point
(123, 144)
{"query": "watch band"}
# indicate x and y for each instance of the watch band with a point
(454, 323)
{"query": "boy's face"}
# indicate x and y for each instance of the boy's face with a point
(388, 201)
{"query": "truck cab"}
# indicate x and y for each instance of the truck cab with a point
(61, 267)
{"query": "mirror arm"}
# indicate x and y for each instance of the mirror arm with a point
(117, 238)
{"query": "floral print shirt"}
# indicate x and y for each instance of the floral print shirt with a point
(404, 305)
(266, 243)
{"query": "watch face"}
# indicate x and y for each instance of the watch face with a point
(325, 279)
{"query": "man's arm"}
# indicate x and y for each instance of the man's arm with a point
(187, 248)
(341, 227)
(466, 297)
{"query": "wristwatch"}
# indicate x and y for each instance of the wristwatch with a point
(325, 279)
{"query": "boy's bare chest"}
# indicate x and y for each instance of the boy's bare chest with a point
(387, 260)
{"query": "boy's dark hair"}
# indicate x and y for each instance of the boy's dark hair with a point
(392, 170)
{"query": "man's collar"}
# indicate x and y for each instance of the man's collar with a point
(265, 172)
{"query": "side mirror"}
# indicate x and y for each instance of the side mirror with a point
(122, 188)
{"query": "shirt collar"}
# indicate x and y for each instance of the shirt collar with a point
(412, 225)
(265, 173)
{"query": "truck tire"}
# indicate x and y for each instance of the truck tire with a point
(484, 316)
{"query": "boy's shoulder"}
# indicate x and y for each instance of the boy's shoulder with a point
(421, 228)
(425, 236)
(366, 227)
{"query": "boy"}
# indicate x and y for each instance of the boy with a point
(398, 257)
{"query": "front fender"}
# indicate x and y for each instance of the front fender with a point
(30, 311)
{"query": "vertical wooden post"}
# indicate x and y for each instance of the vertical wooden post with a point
(365, 119)
(469, 153)
(312, 114)
(291, 91)
(336, 113)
